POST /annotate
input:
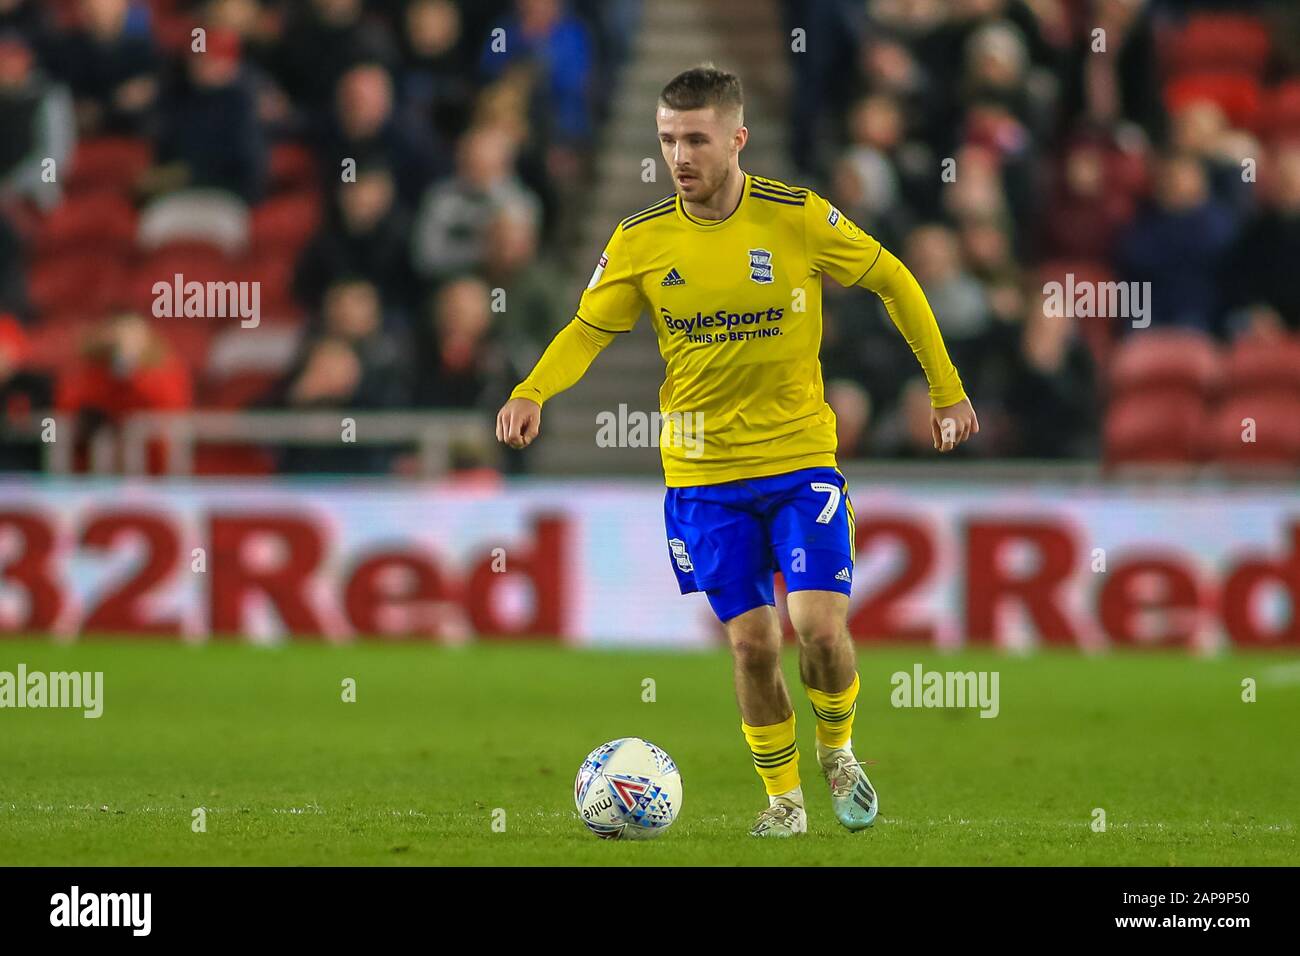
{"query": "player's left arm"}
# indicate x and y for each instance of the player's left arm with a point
(952, 417)
(851, 257)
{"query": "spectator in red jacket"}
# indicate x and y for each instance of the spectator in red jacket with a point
(23, 391)
(1085, 211)
(125, 367)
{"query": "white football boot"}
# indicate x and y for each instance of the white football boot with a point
(783, 817)
(852, 795)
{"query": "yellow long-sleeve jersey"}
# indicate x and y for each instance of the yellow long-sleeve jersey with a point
(737, 307)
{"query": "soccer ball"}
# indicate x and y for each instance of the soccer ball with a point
(629, 789)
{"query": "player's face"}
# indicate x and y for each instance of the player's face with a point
(699, 147)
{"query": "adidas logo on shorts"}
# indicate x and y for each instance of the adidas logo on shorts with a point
(673, 278)
(844, 576)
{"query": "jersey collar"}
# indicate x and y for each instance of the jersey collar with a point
(706, 225)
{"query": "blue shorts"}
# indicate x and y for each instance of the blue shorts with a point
(727, 539)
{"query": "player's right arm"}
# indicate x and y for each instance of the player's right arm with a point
(610, 306)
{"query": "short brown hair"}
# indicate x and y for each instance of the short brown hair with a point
(701, 86)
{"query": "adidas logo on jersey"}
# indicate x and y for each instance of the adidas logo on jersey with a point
(673, 278)
(844, 576)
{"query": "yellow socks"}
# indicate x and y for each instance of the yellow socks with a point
(776, 756)
(834, 714)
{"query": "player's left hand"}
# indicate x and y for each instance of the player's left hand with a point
(953, 424)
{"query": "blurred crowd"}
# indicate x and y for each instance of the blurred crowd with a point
(389, 171)
(1001, 145)
(392, 175)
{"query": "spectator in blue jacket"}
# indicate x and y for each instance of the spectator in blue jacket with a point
(1178, 244)
(559, 46)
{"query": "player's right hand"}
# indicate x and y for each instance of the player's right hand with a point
(518, 422)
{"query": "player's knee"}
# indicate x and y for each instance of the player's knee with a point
(822, 632)
(755, 654)
(755, 645)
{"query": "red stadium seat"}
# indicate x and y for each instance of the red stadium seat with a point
(1155, 426)
(171, 26)
(109, 163)
(193, 265)
(1263, 365)
(89, 282)
(1282, 109)
(293, 168)
(190, 339)
(236, 391)
(1276, 420)
(1238, 94)
(233, 460)
(1218, 41)
(285, 313)
(186, 251)
(100, 219)
(55, 341)
(72, 316)
(1169, 359)
(285, 222)
(274, 270)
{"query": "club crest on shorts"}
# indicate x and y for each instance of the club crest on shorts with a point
(760, 266)
(683, 559)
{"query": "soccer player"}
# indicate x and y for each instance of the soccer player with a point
(730, 267)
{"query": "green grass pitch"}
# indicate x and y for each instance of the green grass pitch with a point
(439, 738)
